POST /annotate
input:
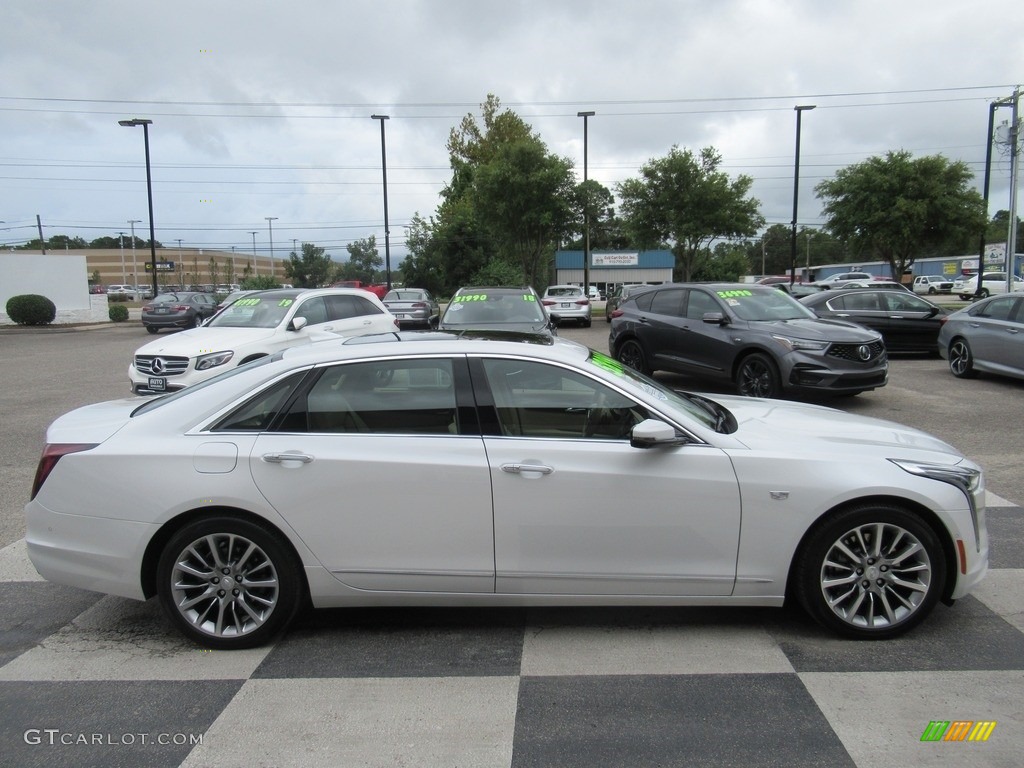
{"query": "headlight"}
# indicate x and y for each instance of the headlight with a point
(967, 479)
(206, 362)
(804, 344)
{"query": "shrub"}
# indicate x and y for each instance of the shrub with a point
(31, 309)
(118, 313)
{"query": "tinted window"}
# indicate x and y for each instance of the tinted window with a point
(699, 303)
(997, 309)
(539, 400)
(343, 307)
(668, 302)
(382, 397)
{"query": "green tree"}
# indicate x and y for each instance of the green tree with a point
(684, 200)
(895, 208)
(364, 262)
(259, 283)
(726, 262)
(525, 194)
(312, 269)
(998, 229)
(509, 200)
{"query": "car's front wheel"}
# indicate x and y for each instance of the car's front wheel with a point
(961, 360)
(632, 354)
(757, 376)
(228, 583)
(871, 572)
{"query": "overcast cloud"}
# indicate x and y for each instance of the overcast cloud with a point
(263, 108)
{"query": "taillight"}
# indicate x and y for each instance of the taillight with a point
(617, 313)
(582, 302)
(548, 302)
(418, 305)
(52, 453)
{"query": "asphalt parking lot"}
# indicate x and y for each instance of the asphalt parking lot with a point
(92, 680)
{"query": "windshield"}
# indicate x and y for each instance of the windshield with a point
(764, 304)
(486, 308)
(705, 411)
(253, 312)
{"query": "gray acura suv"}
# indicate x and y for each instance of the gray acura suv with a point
(757, 337)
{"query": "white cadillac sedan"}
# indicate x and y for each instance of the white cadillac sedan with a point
(253, 326)
(471, 469)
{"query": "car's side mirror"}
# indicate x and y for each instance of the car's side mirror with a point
(715, 318)
(651, 432)
(297, 324)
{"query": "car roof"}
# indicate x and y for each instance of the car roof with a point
(433, 343)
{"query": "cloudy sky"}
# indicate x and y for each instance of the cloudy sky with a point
(262, 108)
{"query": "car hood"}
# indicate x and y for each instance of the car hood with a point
(816, 429)
(203, 340)
(818, 329)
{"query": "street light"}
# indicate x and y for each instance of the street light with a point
(796, 192)
(384, 166)
(270, 224)
(145, 123)
(586, 208)
(254, 269)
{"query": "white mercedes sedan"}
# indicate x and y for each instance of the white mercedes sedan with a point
(480, 469)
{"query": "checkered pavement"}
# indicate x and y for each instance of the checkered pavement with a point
(87, 680)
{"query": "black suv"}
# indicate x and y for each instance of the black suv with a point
(758, 337)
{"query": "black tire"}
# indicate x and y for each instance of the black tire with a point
(586, 323)
(631, 353)
(249, 612)
(152, 329)
(757, 376)
(961, 359)
(931, 291)
(871, 572)
(984, 293)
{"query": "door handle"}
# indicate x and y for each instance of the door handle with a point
(280, 458)
(518, 469)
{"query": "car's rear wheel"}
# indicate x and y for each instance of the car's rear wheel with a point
(152, 329)
(961, 359)
(632, 354)
(984, 293)
(871, 572)
(757, 376)
(227, 583)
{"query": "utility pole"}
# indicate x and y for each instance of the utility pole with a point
(1011, 238)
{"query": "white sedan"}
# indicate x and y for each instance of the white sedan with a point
(438, 469)
(257, 324)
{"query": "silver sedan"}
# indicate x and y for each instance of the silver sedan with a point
(454, 469)
(986, 337)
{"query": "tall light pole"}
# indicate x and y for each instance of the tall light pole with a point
(270, 225)
(145, 123)
(135, 263)
(796, 193)
(384, 166)
(254, 270)
(586, 209)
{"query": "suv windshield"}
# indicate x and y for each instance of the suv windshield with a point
(764, 304)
